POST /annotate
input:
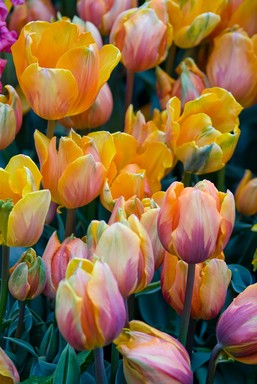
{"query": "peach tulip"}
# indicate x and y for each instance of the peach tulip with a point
(235, 46)
(90, 310)
(8, 371)
(246, 194)
(23, 207)
(151, 356)
(195, 223)
(67, 81)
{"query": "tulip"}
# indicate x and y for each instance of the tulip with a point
(235, 46)
(87, 26)
(76, 171)
(237, 328)
(90, 310)
(98, 114)
(205, 135)
(246, 194)
(194, 20)
(72, 75)
(195, 223)
(212, 278)
(126, 247)
(10, 116)
(8, 371)
(30, 11)
(151, 356)
(130, 27)
(28, 276)
(23, 208)
(56, 258)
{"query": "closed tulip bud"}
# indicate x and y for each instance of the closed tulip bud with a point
(210, 286)
(151, 356)
(130, 26)
(28, 276)
(237, 328)
(235, 46)
(8, 371)
(10, 116)
(30, 11)
(90, 310)
(195, 223)
(98, 114)
(73, 74)
(23, 208)
(56, 258)
(246, 194)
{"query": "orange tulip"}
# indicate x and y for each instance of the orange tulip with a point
(67, 81)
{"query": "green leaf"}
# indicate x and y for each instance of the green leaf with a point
(67, 369)
(23, 344)
(151, 288)
(85, 358)
(241, 277)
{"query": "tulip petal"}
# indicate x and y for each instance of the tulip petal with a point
(27, 218)
(109, 57)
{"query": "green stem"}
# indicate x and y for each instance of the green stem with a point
(221, 179)
(129, 88)
(190, 336)
(212, 363)
(4, 283)
(70, 222)
(114, 363)
(19, 328)
(187, 304)
(100, 376)
(186, 179)
(127, 313)
(50, 128)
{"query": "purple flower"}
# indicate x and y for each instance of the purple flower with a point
(3, 11)
(7, 38)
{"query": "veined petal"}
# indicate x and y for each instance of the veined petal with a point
(5, 190)
(105, 146)
(53, 91)
(109, 57)
(126, 148)
(27, 218)
(128, 184)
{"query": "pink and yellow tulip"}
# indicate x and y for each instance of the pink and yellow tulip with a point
(76, 172)
(151, 356)
(66, 82)
(56, 258)
(237, 328)
(90, 310)
(246, 194)
(10, 116)
(195, 223)
(8, 371)
(23, 206)
(210, 286)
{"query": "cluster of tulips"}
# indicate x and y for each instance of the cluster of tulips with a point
(97, 217)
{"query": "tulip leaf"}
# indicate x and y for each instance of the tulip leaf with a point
(67, 369)
(85, 358)
(23, 344)
(120, 379)
(151, 288)
(241, 277)
(199, 358)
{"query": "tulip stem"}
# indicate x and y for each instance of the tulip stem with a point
(129, 88)
(185, 318)
(100, 376)
(19, 328)
(4, 283)
(50, 128)
(114, 363)
(169, 64)
(213, 363)
(70, 222)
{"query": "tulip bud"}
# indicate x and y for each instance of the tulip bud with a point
(195, 223)
(210, 286)
(8, 371)
(152, 356)
(56, 258)
(10, 116)
(237, 327)
(90, 310)
(246, 194)
(28, 276)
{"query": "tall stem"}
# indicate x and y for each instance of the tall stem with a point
(212, 363)
(4, 283)
(187, 304)
(100, 376)
(70, 222)
(50, 128)
(129, 88)
(19, 328)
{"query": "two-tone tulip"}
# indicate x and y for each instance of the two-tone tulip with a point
(151, 356)
(23, 207)
(75, 172)
(66, 82)
(56, 257)
(246, 194)
(90, 310)
(28, 276)
(195, 223)
(8, 371)
(210, 286)
(10, 116)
